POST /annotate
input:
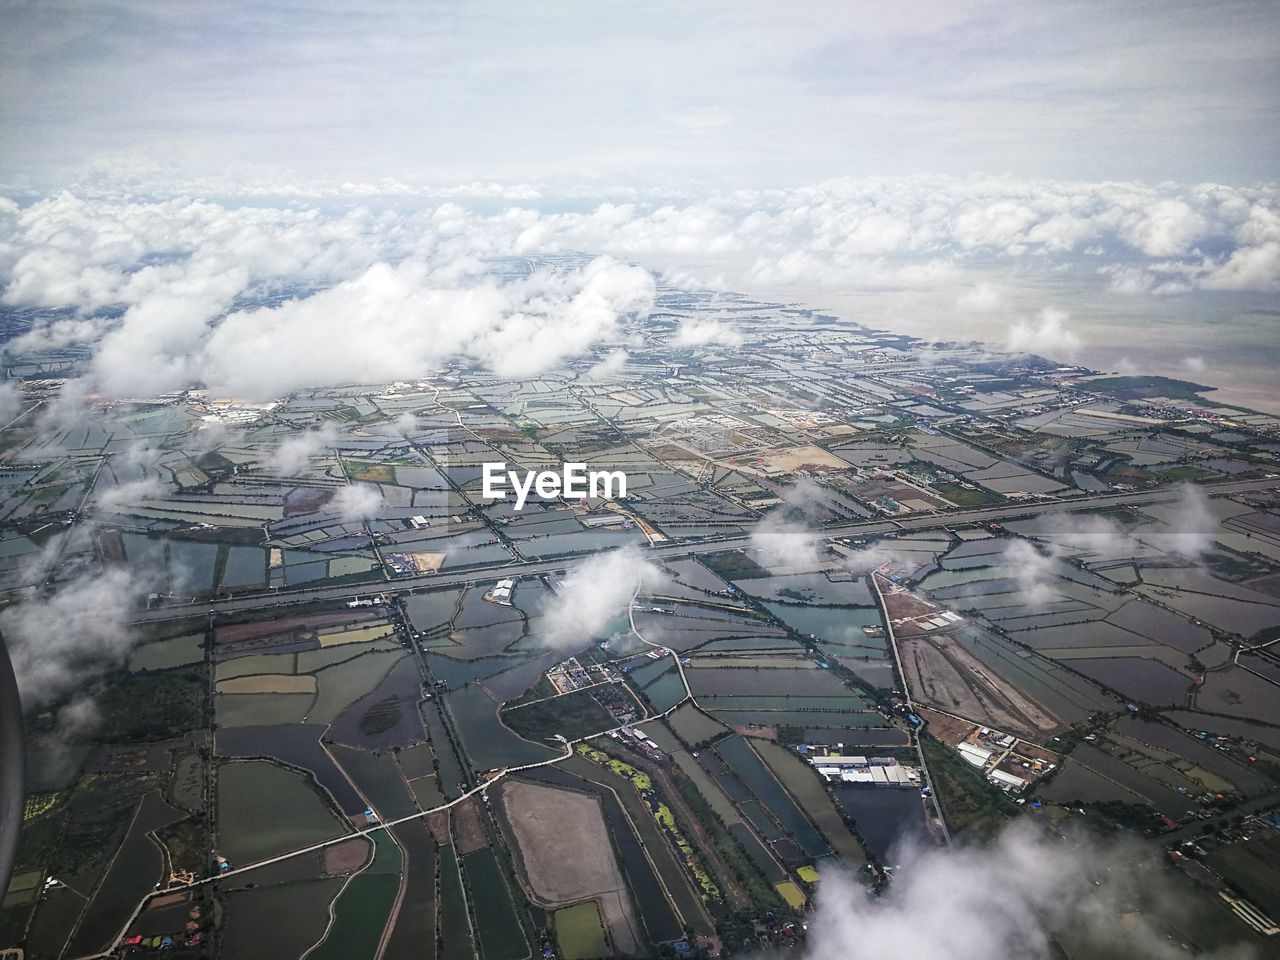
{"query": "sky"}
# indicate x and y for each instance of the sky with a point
(655, 96)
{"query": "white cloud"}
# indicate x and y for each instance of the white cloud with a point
(610, 366)
(1166, 228)
(406, 424)
(780, 541)
(357, 502)
(10, 401)
(1016, 897)
(698, 332)
(132, 493)
(388, 323)
(1033, 571)
(378, 296)
(593, 593)
(1190, 533)
(295, 452)
(63, 642)
(1046, 336)
(1248, 268)
(874, 557)
(982, 297)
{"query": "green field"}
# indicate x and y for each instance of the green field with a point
(573, 716)
(970, 805)
(260, 709)
(252, 927)
(579, 932)
(693, 726)
(455, 927)
(153, 706)
(265, 810)
(345, 682)
(501, 936)
(360, 915)
(167, 654)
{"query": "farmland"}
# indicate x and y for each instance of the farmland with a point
(690, 762)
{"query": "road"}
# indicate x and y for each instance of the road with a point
(860, 528)
(906, 693)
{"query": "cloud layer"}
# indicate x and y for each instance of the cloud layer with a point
(256, 301)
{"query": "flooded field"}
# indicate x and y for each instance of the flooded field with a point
(888, 819)
(265, 810)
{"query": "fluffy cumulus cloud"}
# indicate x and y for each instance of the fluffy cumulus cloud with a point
(387, 323)
(130, 493)
(867, 559)
(1191, 530)
(1048, 335)
(983, 297)
(62, 642)
(1032, 570)
(610, 366)
(788, 537)
(357, 502)
(1020, 897)
(295, 453)
(780, 540)
(593, 593)
(697, 332)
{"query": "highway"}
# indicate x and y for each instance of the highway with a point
(858, 528)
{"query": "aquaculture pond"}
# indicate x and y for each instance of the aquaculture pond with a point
(886, 817)
(841, 625)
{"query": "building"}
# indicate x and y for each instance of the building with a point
(1006, 781)
(501, 592)
(976, 755)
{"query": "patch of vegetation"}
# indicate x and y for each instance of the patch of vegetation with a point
(579, 932)
(381, 716)
(215, 465)
(372, 472)
(572, 716)
(153, 706)
(539, 691)
(964, 496)
(1135, 388)
(1130, 816)
(188, 843)
(1231, 566)
(1186, 473)
(971, 806)
(791, 735)
(39, 804)
(733, 565)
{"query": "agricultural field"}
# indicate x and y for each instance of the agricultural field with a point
(579, 932)
(536, 764)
